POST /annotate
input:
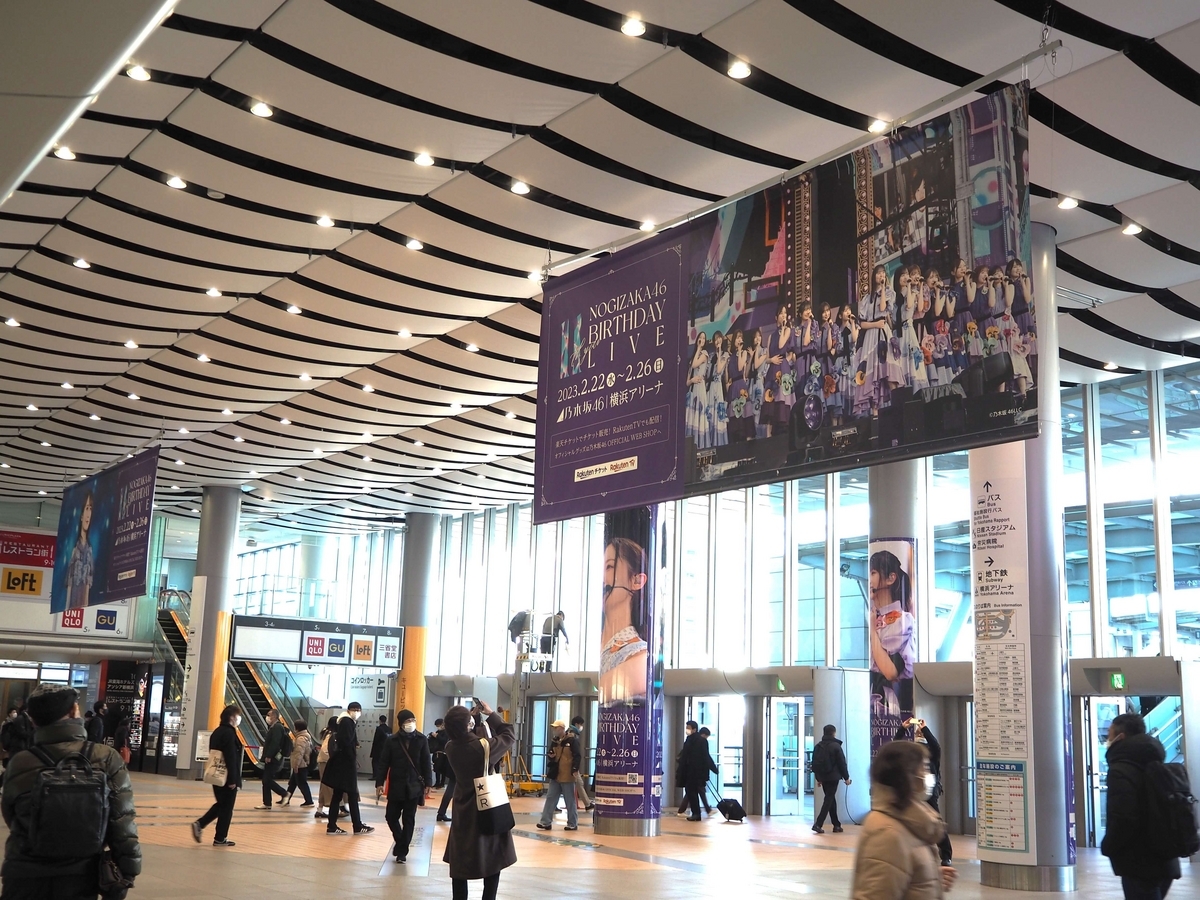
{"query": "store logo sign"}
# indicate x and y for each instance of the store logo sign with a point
(106, 620)
(315, 647)
(72, 618)
(21, 581)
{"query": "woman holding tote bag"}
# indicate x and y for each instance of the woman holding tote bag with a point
(470, 853)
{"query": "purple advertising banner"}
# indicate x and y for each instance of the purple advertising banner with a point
(629, 767)
(893, 612)
(104, 535)
(610, 394)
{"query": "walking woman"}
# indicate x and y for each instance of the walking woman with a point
(225, 739)
(325, 794)
(470, 853)
(301, 753)
(897, 856)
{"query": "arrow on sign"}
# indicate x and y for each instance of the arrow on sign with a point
(987, 486)
(989, 561)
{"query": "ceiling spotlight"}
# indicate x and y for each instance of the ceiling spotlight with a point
(94, 417)
(253, 473)
(633, 26)
(12, 323)
(404, 333)
(367, 389)
(213, 292)
(437, 470)
(195, 511)
(179, 462)
(408, 493)
(366, 459)
(138, 73)
(45, 443)
(317, 451)
(1111, 367)
(174, 487)
(519, 187)
(423, 159)
(471, 348)
(131, 344)
(203, 357)
(299, 477)
(1065, 202)
(367, 437)
(3, 465)
(31, 408)
(41, 493)
(293, 309)
(739, 69)
(214, 194)
(536, 277)
(325, 222)
(510, 415)
(64, 153)
(876, 127)
(66, 386)
(304, 376)
(238, 439)
(285, 421)
(1131, 228)
(418, 443)
(133, 396)
(414, 244)
(261, 110)
(646, 226)
(456, 406)
(227, 411)
(82, 264)
(176, 182)
(182, 430)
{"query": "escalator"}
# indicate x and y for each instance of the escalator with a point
(175, 632)
(254, 688)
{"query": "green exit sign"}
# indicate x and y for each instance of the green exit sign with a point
(1117, 680)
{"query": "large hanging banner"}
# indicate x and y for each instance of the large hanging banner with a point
(893, 617)
(629, 732)
(1003, 739)
(875, 308)
(104, 535)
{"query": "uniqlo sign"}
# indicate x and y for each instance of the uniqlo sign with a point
(72, 618)
(315, 647)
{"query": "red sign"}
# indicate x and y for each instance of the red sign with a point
(24, 548)
(316, 646)
(72, 618)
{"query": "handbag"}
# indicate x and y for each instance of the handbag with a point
(216, 772)
(491, 800)
(125, 755)
(388, 783)
(112, 883)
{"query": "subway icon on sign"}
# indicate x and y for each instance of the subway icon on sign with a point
(21, 581)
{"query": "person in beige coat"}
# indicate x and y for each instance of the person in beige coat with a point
(897, 857)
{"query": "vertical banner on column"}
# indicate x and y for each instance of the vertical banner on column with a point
(999, 566)
(191, 665)
(629, 733)
(893, 615)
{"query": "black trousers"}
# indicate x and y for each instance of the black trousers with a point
(64, 887)
(446, 797)
(691, 796)
(829, 807)
(401, 817)
(299, 780)
(221, 811)
(335, 806)
(1136, 888)
(491, 884)
(945, 850)
(269, 784)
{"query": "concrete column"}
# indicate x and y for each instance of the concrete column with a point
(221, 507)
(418, 584)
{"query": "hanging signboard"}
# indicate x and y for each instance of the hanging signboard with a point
(877, 307)
(274, 639)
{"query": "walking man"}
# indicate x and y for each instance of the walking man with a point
(276, 745)
(341, 772)
(406, 762)
(581, 794)
(695, 763)
(828, 767)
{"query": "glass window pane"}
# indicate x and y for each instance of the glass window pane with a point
(729, 650)
(809, 536)
(1181, 396)
(693, 597)
(770, 552)
(953, 635)
(853, 522)
(1075, 527)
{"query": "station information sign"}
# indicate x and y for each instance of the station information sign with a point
(276, 639)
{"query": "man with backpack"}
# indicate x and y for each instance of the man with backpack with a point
(68, 804)
(1151, 819)
(828, 768)
(277, 746)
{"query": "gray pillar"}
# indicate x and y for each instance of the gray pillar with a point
(1054, 868)
(754, 756)
(221, 506)
(894, 492)
(418, 583)
(310, 569)
(841, 698)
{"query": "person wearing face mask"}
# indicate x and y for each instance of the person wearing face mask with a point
(922, 735)
(341, 772)
(896, 858)
(562, 762)
(405, 763)
(225, 739)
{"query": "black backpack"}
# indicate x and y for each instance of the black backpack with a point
(286, 745)
(68, 815)
(1170, 810)
(821, 762)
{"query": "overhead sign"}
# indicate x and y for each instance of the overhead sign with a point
(1116, 681)
(26, 564)
(273, 639)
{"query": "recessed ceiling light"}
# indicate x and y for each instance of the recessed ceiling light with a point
(423, 159)
(131, 344)
(519, 187)
(304, 376)
(437, 470)
(176, 182)
(285, 421)
(261, 110)
(299, 477)
(227, 411)
(12, 323)
(45, 443)
(202, 357)
(293, 309)
(739, 69)
(367, 436)
(41, 493)
(646, 226)
(418, 443)
(253, 473)
(414, 244)
(82, 264)
(64, 153)
(317, 451)
(238, 439)
(182, 430)
(404, 333)
(213, 292)
(1136, 431)
(879, 126)
(1111, 366)
(367, 389)
(1065, 202)
(214, 194)
(179, 462)
(366, 459)
(94, 417)
(1131, 229)
(1070, 415)
(408, 493)
(66, 386)
(471, 348)
(195, 511)
(456, 406)
(31, 407)
(138, 73)
(510, 415)
(536, 277)
(132, 396)
(3, 465)
(174, 487)
(325, 222)
(633, 26)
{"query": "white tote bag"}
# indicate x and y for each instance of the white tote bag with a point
(215, 771)
(491, 799)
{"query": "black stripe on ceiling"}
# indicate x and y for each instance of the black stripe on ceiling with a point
(487, 226)
(87, 357)
(268, 166)
(436, 252)
(505, 181)
(362, 300)
(5, 245)
(204, 28)
(124, 121)
(74, 372)
(154, 402)
(1166, 68)
(442, 366)
(260, 350)
(94, 159)
(109, 272)
(54, 284)
(25, 217)
(1176, 348)
(1080, 269)
(321, 342)
(515, 333)
(1080, 360)
(74, 315)
(363, 266)
(501, 433)
(214, 381)
(1170, 300)
(52, 190)
(174, 79)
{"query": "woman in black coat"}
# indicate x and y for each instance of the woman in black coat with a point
(470, 853)
(341, 772)
(224, 738)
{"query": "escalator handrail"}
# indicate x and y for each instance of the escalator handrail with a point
(281, 693)
(252, 719)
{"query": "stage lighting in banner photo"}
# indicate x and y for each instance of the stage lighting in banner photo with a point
(104, 535)
(892, 613)
(875, 308)
(629, 732)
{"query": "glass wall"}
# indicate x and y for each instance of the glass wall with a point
(949, 508)
(853, 521)
(1181, 398)
(809, 537)
(1075, 525)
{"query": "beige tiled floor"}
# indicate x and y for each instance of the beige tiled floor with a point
(285, 851)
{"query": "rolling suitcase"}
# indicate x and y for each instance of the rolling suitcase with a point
(731, 809)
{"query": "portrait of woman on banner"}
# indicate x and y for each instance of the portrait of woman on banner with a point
(81, 567)
(624, 650)
(893, 633)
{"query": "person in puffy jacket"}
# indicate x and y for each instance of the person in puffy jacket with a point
(54, 709)
(301, 753)
(897, 856)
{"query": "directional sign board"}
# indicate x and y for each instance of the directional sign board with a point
(274, 639)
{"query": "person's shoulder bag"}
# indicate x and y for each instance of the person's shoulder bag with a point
(416, 771)
(491, 799)
(216, 770)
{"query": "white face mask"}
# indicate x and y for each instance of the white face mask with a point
(237, 721)
(355, 713)
(930, 783)
(410, 727)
